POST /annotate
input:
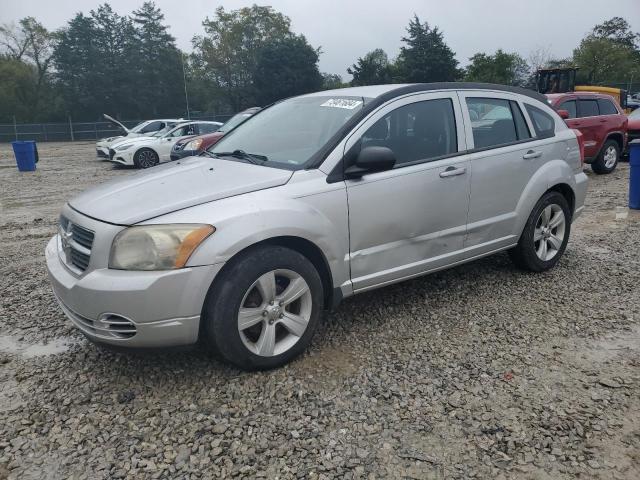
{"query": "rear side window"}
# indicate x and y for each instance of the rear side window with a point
(569, 106)
(416, 132)
(588, 108)
(207, 128)
(493, 123)
(152, 127)
(543, 123)
(606, 107)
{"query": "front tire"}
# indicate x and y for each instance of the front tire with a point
(263, 309)
(145, 158)
(608, 158)
(545, 235)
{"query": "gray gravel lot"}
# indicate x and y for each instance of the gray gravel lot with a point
(481, 371)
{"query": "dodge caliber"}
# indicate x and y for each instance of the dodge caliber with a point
(311, 200)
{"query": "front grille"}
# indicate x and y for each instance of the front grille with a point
(77, 242)
(101, 154)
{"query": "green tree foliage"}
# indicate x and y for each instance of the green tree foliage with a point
(619, 31)
(502, 67)
(331, 81)
(285, 68)
(17, 89)
(372, 69)
(228, 52)
(425, 57)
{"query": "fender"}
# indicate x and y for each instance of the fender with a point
(550, 174)
(248, 219)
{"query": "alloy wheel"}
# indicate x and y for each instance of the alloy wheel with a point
(610, 156)
(274, 312)
(147, 158)
(549, 233)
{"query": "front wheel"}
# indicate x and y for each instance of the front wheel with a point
(145, 158)
(263, 309)
(607, 159)
(545, 235)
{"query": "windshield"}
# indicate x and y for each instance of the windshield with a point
(234, 121)
(292, 131)
(139, 127)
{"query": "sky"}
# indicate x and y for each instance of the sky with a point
(348, 29)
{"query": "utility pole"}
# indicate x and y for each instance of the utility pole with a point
(15, 127)
(184, 79)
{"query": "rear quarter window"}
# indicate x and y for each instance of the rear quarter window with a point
(607, 107)
(543, 123)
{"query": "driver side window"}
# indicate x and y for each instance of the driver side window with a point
(416, 132)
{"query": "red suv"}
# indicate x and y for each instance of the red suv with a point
(602, 123)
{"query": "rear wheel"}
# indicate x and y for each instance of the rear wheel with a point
(545, 235)
(607, 158)
(145, 158)
(263, 309)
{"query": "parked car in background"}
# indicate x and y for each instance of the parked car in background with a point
(602, 123)
(317, 198)
(192, 146)
(145, 152)
(145, 128)
(633, 128)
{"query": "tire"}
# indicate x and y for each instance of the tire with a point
(146, 158)
(608, 158)
(530, 254)
(246, 282)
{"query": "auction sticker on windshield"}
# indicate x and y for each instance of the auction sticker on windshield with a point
(347, 103)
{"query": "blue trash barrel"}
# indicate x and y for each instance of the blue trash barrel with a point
(26, 156)
(634, 175)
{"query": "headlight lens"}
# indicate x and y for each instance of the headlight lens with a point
(123, 147)
(157, 247)
(193, 144)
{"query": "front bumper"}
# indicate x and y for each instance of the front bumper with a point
(123, 157)
(132, 309)
(102, 151)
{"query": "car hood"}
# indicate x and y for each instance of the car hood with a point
(174, 186)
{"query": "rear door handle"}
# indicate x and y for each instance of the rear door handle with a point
(452, 172)
(531, 154)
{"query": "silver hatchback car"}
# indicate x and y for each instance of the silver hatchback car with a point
(312, 200)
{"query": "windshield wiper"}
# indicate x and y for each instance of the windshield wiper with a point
(242, 155)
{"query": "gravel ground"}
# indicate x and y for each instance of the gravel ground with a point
(481, 371)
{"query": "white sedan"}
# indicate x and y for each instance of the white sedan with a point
(145, 152)
(146, 128)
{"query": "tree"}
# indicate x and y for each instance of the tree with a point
(331, 81)
(284, 68)
(502, 67)
(619, 31)
(602, 60)
(228, 53)
(159, 63)
(372, 69)
(426, 57)
(17, 89)
(31, 43)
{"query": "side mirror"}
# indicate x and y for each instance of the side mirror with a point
(564, 114)
(370, 160)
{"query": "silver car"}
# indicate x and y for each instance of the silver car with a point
(312, 200)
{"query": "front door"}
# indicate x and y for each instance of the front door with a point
(411, 219)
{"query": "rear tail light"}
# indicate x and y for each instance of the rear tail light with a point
(580, 139)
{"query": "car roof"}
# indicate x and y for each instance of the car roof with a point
(389, 91)
(557, 96)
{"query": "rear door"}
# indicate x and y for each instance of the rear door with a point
(504, 155)
(590, 126)
(411, 219)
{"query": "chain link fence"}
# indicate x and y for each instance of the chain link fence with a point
(75, 131)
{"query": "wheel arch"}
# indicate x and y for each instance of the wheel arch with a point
(567, 192)
(617, 137)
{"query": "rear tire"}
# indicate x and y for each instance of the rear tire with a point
(145, 158)
(263, 309)
(545, 235)
(608, 158)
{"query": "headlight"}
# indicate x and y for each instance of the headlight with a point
(157, 247)
(123, 147)
(193, 144)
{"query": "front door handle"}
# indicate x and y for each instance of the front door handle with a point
(452, 172)
(531, 154)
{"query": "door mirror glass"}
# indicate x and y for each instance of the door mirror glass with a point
(564, 114)
(371, 159)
